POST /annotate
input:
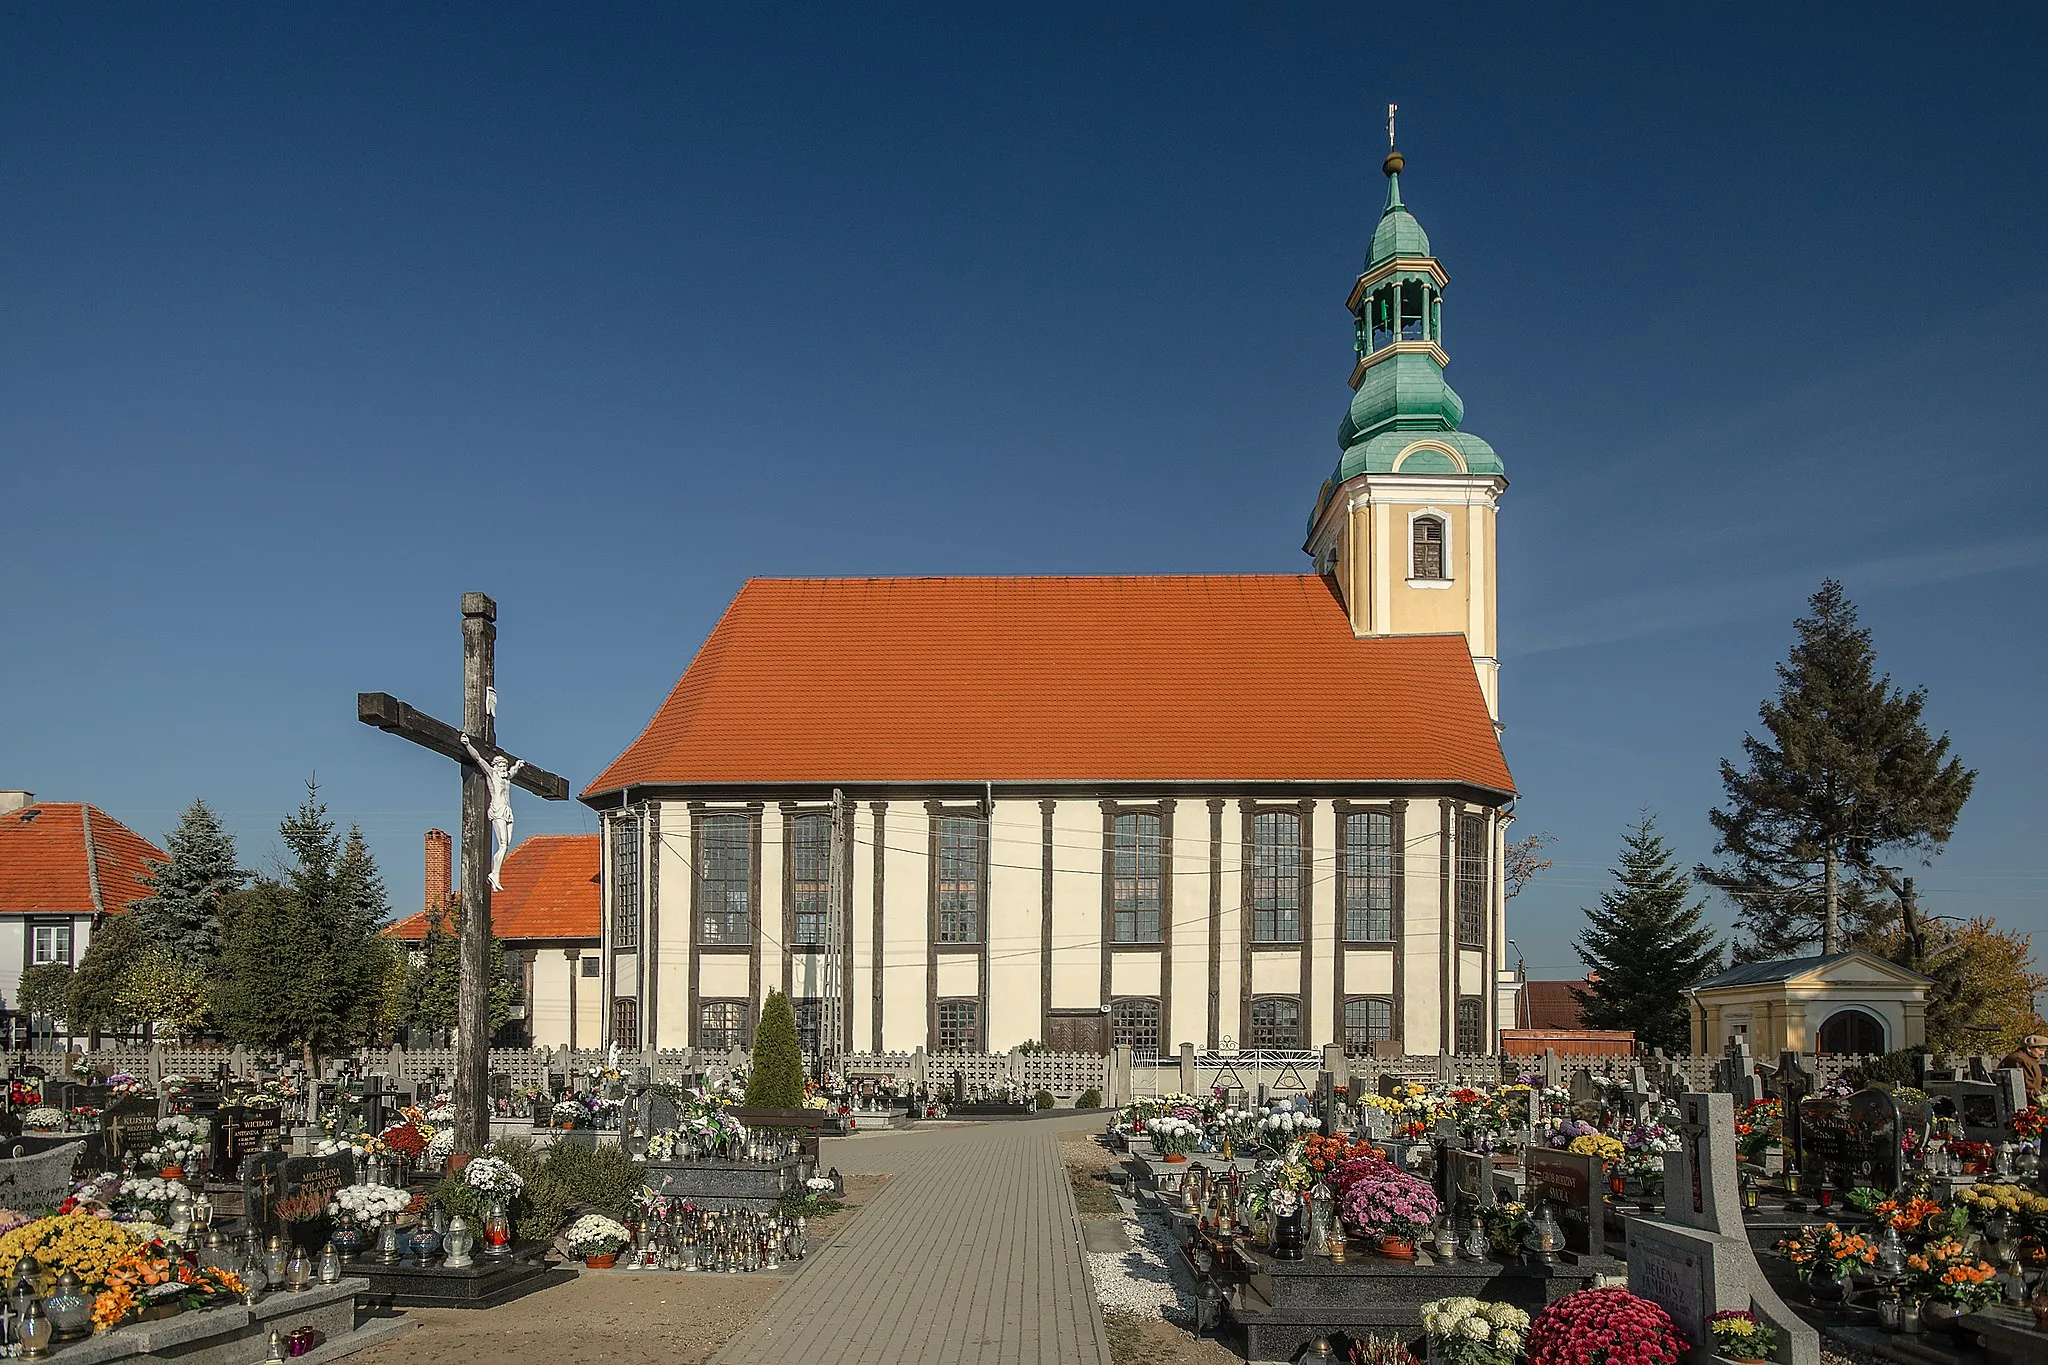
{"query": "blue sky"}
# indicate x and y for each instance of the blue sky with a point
(318, 316)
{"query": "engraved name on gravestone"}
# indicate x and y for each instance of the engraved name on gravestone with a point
(239, 1132)
(262, 1184)
(1853, 1141)
(132, 1122)
(310, 1178)
(1572, 1185)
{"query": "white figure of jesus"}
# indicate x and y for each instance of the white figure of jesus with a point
(499, 774)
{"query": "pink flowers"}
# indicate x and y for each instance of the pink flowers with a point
(1604, 1327)
(1379, 1201)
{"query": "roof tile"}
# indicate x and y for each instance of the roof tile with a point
(44, 870)
(550, 892)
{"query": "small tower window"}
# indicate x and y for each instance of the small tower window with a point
(1413, 311)
(1382, 319)
(1428, 536)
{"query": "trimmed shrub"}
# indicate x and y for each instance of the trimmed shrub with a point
(1045, 1099)
(1091, 1098)
(776, 1080)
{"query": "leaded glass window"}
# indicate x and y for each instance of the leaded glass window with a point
(1368, 1019)
(1276, 877)
(810, 1017)
(626, 1022)
(810, 887)
(1472, 861)
(962, 839)
(725, 904)
(1134, 1024)
(1276, 1022)
(1470, 1027)
(721, 1025)
(1136, 876)
(959, 1026)
(1369, 877)
(626, 883)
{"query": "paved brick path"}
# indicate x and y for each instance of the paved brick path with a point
(971, 1253)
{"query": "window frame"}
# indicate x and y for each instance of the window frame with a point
(1471, 879)
(1130, 908)
(59, 930)
(739, 1030)
(1473, 1009)
(1362, 1048)
(973, 1040)
(1123, 1034)
(710, 825)
(593, 968)
(1442, 521)
(809, 1037)
(625, 1021)
(1350, 876)
(946, 935)
(1267, 1042)
(809, 917)
(628, 881)
(1276, 916)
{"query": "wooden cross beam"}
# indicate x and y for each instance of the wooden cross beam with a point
(395, 717)
(479, 729)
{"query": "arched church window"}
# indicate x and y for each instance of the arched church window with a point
(1428, 537)
(1852, 1032)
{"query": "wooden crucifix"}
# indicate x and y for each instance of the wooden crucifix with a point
(476, 737)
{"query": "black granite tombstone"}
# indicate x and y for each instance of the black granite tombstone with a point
(131, 1120)
(1470, 1179)
(1856, 1140)
(239, 1132)
(262, 1186)
(94, 1097)
(1573, 1186)
(1795, 1083)
(311, 1180)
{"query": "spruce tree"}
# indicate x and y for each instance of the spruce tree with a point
(181, 914)
(1848, 770)
(95, 1000)
(777, 1078)
(302, 968)
(1645, 945)
(434, 980)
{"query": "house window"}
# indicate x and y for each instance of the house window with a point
(1470, 1041)
(52, 944)
(1368, 1019)
(1427, 535)
(1472, 861)
(810, 1017)
(1135, 1024)
(1135, 881)
(1276, 1022)
(962, 839)
(1369, 877)
(810, 886)
(959, 1026)
(726, 896)
(721, 1025)
(626, 883)
(1276, 877)
(592, 966)
(626, 1022)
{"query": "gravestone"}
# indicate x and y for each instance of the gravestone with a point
(307, 1178)
(1392, 1086)
(1795, 1083)
(262, 1184)
(1585, 1089)
(1695, 1259)
(239, 1132)
(1984, 1108)
(1553, 1070)
(662, 1112)
(131, 1122)
(1855, 1140)
(89, 1097)
(1470, 1181)
(1574, 1186)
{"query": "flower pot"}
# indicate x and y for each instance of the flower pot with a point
(348, 1242)
(1939, 1315)
(1173, 1157)
(171, 1172)
(455, 1162)
(602, 1261)
(1827, 1291)
(1398, 1248)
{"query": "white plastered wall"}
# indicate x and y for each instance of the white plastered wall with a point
(1016, 896)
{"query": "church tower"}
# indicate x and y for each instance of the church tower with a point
(1404, 528)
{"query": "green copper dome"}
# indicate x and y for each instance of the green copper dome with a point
(1402, 413)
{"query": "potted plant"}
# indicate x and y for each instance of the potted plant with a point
(597, 1239)
(177, 1146)
(568, 1114)
(1386, 1207)
(1466, 1331)
(1826, 1257)
(358, 1211)
(1741, 1336)
(1950, 1282)
(1604, 1327)
(1173, 1138)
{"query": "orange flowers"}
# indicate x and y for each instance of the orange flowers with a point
(1828, 1252)
(1321, 1153)
(1908, 1217)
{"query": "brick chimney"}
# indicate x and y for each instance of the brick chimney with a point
(440, 887)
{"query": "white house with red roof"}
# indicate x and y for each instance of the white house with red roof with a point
(63, 865)
(1254, 811)
(547, 919)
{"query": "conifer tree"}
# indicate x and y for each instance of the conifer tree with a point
(777, 1078)
(433, 982)
(96, 998)
(1848, 770)
(181, 914)
(302, 968)
(1645, 945)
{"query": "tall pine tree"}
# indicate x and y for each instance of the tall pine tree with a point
(1645, 945)
(302, 969)
(1848, 771)
(181, 915)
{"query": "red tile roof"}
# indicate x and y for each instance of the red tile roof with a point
(1554, 1004)
(1187, 679)
(44, 869)
(550, 892)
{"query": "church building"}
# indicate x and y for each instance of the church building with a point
(1237, 811)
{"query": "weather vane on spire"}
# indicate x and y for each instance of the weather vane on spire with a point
(1392, 109)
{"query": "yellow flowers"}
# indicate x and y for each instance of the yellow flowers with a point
(87, 1246)
(1598, 1144)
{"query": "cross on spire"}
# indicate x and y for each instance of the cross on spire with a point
(1392, 109)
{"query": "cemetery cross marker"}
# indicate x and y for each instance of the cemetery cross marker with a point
(479, 735)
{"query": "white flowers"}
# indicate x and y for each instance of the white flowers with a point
(178, 1126)
(596, 1235)
(440, 1147)
(1171, 1136)
(152, 1193)
(1467, 1331)
(43, 1116)
(172, 1152)
(368, 1206)
(494, 1175)
(819, 1184)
